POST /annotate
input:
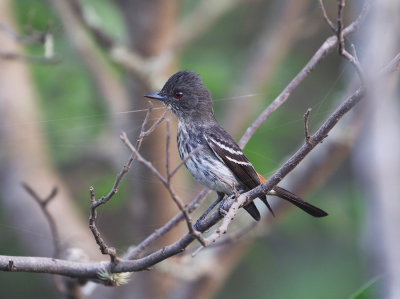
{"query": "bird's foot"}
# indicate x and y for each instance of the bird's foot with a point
(221, 209)
(199, 222)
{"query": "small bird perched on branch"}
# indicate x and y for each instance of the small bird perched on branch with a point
(215, 161)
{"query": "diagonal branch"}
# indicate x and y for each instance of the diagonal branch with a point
(321, 53)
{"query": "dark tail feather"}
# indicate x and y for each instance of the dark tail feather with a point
(252, 210)
(264, 200)
(298, 202)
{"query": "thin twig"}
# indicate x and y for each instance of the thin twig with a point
(326, 18)
(188, 157)
(138, 249)
(43, 205)
(188, 219)
(94, 204)
(232, 238)
(104, 248)
(306, 132)
(174, 196)
(319, 55)
(353, 59)
(132, 158)
(228, 217)
(154, 126)
(167, 148)
(167, 185)
(141, 159)
(339, 30)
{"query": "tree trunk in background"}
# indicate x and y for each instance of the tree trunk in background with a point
(378, 161)
(150, 25)
(25, 158)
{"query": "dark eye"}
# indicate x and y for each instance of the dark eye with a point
(178, 94)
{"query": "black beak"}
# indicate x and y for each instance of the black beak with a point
(155, 96)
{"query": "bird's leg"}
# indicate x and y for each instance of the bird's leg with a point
(202, 217)
(221, 209)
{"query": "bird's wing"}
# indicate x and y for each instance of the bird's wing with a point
(232, 156)
(226, 149)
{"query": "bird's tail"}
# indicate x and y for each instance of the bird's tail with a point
(293, 199)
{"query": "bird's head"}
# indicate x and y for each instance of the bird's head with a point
(187, 96)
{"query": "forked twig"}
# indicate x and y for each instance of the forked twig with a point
(167, 185)
(325, 16)
(43, 205)
(339, 31)
(94, 204)
(104, 248)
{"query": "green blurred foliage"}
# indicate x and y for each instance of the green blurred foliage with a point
(71, 114)
(302, 257)
(369, 290)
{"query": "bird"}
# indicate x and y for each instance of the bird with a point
(211, 155)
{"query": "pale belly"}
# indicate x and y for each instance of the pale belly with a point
(209, 170)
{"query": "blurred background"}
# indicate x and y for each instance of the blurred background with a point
(72, 76)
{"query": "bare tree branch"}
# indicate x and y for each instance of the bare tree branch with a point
(321, 53)
(90, 270)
